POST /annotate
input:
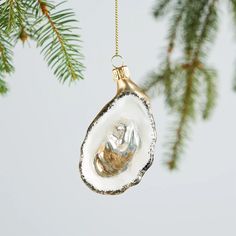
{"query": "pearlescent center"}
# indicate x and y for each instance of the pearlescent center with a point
(114, 155)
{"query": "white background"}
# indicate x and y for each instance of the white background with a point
(42, 125)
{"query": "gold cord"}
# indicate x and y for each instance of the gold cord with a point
(117, 59)
(116, 28)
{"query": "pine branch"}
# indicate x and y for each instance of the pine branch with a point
(175, 23)
(6, 66)
(209, 77)
(233, 10)
(12, 16)
(51, 26)
(161, 8)
(3, 87)
(207, 31)
(193, 25)
(60, 45)
(195, 12)
(234, 81)
(6, 54)
(8, 17)
(167, 72)
(153, 82)
(187, 113)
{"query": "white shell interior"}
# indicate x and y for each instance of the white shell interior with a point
(126, 107)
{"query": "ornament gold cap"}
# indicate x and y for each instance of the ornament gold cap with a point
(124, 84)
(120, 73)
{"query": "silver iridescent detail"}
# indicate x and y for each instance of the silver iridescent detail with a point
(114, 155)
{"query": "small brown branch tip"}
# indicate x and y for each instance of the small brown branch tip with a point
(172, 165)
(23, 36)
(43, 7)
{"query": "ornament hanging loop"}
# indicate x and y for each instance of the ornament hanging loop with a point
(117, 61)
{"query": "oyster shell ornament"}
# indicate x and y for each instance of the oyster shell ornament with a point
(119, 145)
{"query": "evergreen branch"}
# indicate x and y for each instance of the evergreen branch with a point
(169, 84)
(161, 8)
(208, 29)
(59, 44)
(8, 15)
(11, 15)
(234, 80)
(196, 23)
(186, 113)
(233, 8)
(175, 23)
(53, 29)
(169, 73)
(6, 66)
(154, 80)
(195, 11)
(165, 76)
(14, 20)
(211, 92)
(3, 87)
(22, 22)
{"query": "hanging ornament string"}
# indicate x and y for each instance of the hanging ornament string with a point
(117, 59)
(116, 28)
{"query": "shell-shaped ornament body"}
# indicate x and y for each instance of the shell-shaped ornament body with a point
(119, 145)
